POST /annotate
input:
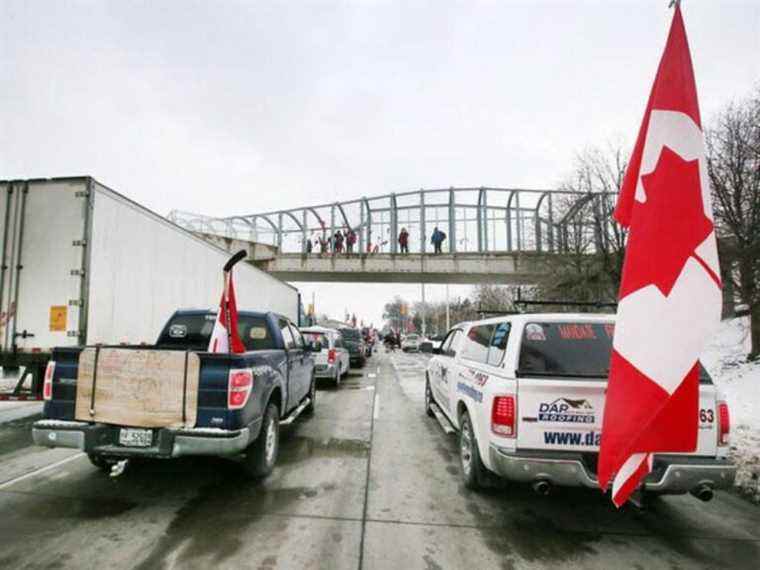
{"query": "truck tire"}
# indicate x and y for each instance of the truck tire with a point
(261, 455)
(428, 398)
(309, 410)
(473, 470)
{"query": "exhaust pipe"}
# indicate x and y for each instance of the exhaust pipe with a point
(542, 487)
(703, 492)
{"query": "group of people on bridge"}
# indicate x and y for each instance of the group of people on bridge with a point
(344, 241)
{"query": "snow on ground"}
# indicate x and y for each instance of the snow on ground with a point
(725, 358)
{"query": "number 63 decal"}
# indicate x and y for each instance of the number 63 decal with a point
(706, 416)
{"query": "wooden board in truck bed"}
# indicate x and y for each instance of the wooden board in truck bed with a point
(136, 387)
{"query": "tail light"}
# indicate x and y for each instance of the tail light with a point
(47, 385)
(331, 356)
(503, 416)
(239, 388)
(724, 423)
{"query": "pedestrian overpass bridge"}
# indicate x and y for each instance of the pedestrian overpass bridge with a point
(494, 235)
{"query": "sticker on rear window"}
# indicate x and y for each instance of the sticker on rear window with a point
(535, 332)
(178, 331)
(576, 332)
(258, 333)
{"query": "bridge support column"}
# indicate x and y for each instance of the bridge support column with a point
(279, 232)
(508, 216)
(452, 222)
(423, 233)
(394, 225)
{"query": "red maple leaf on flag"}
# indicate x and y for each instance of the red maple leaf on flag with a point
(668, 227)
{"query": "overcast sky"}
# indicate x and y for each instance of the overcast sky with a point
(236, 107)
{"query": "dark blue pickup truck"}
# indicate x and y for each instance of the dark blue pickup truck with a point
(242, 399)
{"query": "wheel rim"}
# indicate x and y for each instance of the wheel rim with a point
(465, 447)
(270, 444)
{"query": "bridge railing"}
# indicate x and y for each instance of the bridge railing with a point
(480, 220)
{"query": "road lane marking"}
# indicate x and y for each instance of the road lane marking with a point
(10, 482)
(376, 413)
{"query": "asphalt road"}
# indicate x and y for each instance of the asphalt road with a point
(369, 482)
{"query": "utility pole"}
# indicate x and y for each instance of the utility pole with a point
(424, 310)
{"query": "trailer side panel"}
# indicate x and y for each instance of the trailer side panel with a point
(143, 267)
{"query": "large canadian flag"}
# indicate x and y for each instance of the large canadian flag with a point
(225, 336)
(670, 293)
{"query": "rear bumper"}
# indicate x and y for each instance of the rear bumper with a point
(673, 474)
(102, 439)
(325, 370)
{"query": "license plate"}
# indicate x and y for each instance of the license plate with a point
(135, 437)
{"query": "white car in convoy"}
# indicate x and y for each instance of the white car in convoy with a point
(411, 343)
(526, 395)
(332, 360)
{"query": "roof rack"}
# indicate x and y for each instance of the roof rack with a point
(594, 304)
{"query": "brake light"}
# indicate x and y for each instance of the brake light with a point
(47, 385)
(503, 415)
(724, 423)
(239, 388)
(331, 356)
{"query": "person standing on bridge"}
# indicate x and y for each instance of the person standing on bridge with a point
(338, 242)
(309, 246)
(403, 240)
(350, 240)
(437, 240)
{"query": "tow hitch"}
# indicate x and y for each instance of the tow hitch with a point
(119, 467)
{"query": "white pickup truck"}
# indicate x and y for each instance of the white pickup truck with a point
(526, 395)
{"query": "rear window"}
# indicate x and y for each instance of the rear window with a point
(566, 349)
(194, 332)
(571, 349)
(313, 337)
(351, 334)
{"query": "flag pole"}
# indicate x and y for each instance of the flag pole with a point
(231, 262)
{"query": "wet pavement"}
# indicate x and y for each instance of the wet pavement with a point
(368, 482)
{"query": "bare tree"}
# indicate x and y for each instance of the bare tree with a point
(733, 161)
(489, 297)
(592, 244)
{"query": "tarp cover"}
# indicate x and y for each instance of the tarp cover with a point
(140, 388)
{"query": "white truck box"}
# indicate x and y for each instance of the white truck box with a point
(82, 264)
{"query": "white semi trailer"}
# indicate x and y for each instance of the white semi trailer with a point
(82, 264)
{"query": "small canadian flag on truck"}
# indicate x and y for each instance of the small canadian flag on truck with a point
(225, 336)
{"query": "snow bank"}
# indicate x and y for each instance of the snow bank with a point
(725, 359)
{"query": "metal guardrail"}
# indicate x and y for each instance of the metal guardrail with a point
(475, 220)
